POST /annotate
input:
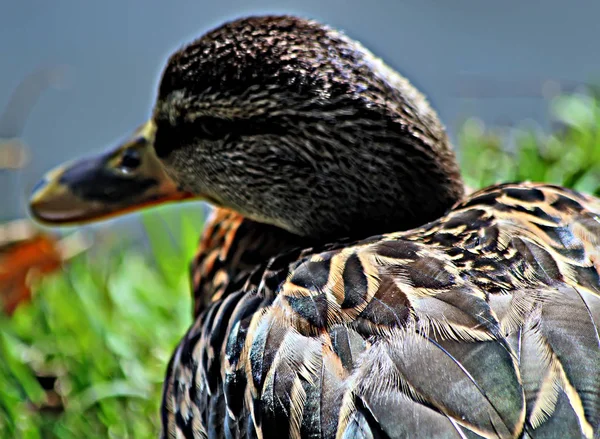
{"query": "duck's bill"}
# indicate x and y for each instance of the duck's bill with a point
(123, 180)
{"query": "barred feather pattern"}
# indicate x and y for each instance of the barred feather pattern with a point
(482, 324)
(230, 249)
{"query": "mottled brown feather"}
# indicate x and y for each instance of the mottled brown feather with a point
(453, 335)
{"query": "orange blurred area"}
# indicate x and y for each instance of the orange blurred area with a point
(26, 255)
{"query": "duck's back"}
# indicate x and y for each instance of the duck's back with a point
(481, 324)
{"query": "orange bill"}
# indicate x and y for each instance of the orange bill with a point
(123, 180)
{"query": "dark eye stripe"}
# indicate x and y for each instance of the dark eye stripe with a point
(169, 137)
(212, 128)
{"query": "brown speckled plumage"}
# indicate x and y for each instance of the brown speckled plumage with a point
(482, 323)
(345, 286)
(281, 119)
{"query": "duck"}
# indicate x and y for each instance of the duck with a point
(346, 286)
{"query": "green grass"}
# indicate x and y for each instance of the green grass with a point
(105, 328)
(107, 325)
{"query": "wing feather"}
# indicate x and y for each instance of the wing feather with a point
(484, 323)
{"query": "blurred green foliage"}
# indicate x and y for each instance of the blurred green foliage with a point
(87, 357)
(98, 338)
(567, 156)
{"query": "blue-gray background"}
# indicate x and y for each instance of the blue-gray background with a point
(500, 51)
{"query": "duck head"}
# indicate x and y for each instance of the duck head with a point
(283, 120)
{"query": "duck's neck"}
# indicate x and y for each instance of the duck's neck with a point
(231, 247)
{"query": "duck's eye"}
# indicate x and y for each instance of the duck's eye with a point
(214, 127)
(130, 160)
